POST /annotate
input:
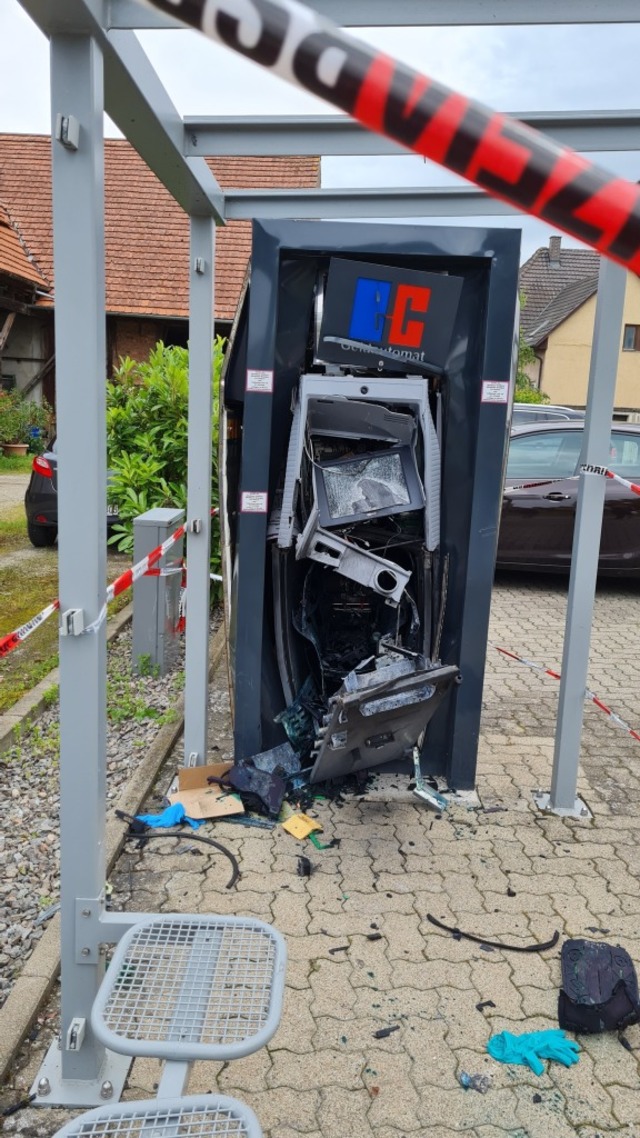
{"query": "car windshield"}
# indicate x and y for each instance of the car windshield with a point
(556, 454)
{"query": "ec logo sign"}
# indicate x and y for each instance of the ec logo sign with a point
(386, 313)
(388, 318)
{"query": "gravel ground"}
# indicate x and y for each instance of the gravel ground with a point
(29, 790)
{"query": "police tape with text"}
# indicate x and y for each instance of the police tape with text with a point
(502, 155)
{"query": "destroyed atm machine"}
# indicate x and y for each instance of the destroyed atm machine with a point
(365, 415)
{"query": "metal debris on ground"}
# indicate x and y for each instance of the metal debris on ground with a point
(383, 1032)
(480, 1083)
(458, 934)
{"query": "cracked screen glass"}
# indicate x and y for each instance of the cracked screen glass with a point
(358, 487)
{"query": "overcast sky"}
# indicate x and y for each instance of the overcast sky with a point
(512, 69)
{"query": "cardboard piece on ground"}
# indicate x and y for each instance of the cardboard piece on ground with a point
(202, 799)
(300, 826)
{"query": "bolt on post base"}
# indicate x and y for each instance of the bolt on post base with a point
(51, 1089)
(578, 810)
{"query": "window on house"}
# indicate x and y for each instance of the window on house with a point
(631, 338)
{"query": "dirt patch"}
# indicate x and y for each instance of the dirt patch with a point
(12, 488)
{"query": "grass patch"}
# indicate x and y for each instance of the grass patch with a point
(13, 529)
(17, 464)
(22, 595)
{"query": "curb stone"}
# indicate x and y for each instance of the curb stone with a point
(30, 706)
(36, 980)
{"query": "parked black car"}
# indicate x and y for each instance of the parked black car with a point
(536, 527)
(41, 500)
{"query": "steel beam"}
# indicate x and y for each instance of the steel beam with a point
(453, 13)
(196, 691)
(605, 357)
(430, 13)
(585, 131)
(136, 101)
(344, 203)
(78, 218)
(132, 14)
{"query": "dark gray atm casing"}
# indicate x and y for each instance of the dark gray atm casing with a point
(273, 344)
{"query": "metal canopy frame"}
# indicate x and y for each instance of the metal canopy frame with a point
(98, 64)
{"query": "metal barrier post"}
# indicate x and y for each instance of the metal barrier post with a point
(586, 544)
(78, 1071)
(196, 691)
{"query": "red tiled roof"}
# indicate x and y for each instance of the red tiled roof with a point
(147, 234)
(543, 280)
(14, 261)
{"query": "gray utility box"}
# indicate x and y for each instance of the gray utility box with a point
(156, 598)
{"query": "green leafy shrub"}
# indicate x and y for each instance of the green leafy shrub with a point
(147, 425)
(525, 390)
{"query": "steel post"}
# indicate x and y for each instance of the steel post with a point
(78, 216)
(586, 541)
(199, 489)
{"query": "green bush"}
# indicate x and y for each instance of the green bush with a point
(20, 416)
(147, 421)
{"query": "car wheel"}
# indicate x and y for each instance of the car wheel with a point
(41, 536)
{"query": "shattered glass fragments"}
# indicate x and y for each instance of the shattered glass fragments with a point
(362, 485)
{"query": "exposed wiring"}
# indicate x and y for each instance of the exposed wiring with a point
(144, 836)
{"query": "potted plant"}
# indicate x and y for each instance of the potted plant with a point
(19, 418)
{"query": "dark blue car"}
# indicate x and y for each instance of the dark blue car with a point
(41, 500)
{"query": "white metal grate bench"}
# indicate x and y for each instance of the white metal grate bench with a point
(194, 1116)
(192, 987)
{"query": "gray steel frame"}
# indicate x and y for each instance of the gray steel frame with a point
(96, 56)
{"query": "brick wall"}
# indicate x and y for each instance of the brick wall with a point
(132, 337)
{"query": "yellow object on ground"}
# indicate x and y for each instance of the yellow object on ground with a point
(300, 826)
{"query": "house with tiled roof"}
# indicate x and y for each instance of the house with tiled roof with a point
(559, 289)
(146, 251)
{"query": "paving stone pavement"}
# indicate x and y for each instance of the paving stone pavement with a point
(507, 873)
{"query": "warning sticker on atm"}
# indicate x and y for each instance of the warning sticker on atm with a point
(253, 502)
(495, 391)
(259, 380)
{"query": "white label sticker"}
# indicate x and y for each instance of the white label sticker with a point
(494, 391)
(259, 381)
(253, 502)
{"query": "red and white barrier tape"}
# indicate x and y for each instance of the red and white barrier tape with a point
(15, 639)
(500, 154)
(145, 567)
(588, 695)
(586, 468)
(606, 473)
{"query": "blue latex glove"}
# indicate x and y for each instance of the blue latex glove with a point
(172, 816)
(530, 1048)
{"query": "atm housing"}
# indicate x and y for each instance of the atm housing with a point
(361, 493)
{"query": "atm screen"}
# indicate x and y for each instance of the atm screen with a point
(368, 486)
